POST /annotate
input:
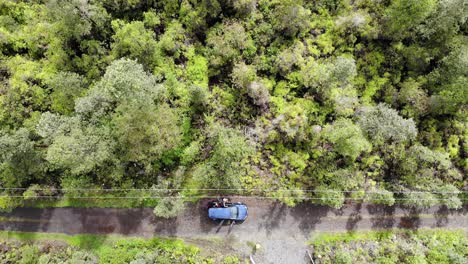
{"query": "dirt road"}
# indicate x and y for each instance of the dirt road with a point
(281, 231)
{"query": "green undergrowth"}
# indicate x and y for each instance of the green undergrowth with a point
(114, 201)
(26, 247)
(392, 246)
(105, 202)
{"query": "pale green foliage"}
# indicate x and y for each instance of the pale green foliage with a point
(448, 82)
(404, 15)
(290, 58)
(415, 98)
(29, 254)
(134, 41)
(71, 22)
(316, 75)
(347, 138)
(122, 93)
(395, 246)
(343, 257)
(227, 42)
(198, 98)
(197, 70)
(243, 75)
(74, 146)
(293, 122)
(357, 22)
(347, 179)
(446, 21)
(66, 87)
(169, 207)
(173, 39)
(330, 197)
(51, 125)
(383, 124)
(19, 161)
(424, 167)
(243, 7)
(151, 19)
(224, 168)
(322, 76)
(290, 198)
(146, 132)
(452, 66)
(190, 153)
(259, 93)
(419, 199)
(7, 203)
(448, 195)
(332, 81)
(291, 18)
(78, 256)
(380, 196)
(17, 144)
(31, 192)
(21, 95)
(81, 151)
(124, 81)
(74, 186)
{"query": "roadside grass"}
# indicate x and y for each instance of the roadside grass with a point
(84, 241)
(347, 237)
(105, 201)
(109, 248)
(112, 249)
(392, 246)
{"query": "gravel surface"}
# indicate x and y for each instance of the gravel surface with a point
(281, 232)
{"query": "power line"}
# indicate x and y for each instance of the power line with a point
(227, 189)
(216, 197)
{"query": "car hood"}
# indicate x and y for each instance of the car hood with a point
(242, 213)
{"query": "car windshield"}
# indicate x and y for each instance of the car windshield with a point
(234, 212)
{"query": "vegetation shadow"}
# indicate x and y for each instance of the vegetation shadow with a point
(354, 217)
(276, 215)
(411, 220)
(309, 215)
(26, 220)
(382, 216)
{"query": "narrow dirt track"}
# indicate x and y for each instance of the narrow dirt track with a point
(281, 231)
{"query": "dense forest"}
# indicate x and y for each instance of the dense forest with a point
(325, 100)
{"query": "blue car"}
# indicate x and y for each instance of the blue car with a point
(230, 211)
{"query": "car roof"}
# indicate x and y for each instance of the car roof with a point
(225, 212)
(220, 213)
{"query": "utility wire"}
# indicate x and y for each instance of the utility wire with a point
(248, 190)
(216, 197)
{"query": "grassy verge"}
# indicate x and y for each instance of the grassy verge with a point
(25, 247)
(102, 199)
(104, 202)
(393, 246)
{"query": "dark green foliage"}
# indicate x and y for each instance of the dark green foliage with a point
(362, 96)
